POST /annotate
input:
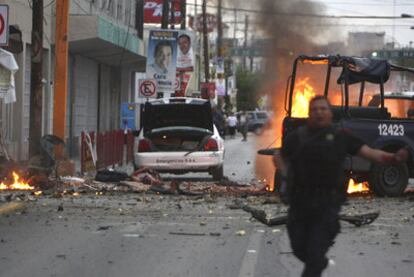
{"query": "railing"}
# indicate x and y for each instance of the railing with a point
(106, 149)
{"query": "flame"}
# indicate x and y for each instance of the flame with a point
(357, 187)
(303, 93)
(16, 185)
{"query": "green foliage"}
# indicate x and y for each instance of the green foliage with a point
(248, 86)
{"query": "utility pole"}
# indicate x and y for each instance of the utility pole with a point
(61, 72)
(183, 7)
(205, 43)
(165, 14)
(219, 30)
(246, 29)
(182, 27)
(235, 28)
(172, 13)
(220, 53)
(139, 18)
(36, 86)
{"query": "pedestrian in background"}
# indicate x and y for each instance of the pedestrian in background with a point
(232, 124)
(311, 161)
(243, 125)
(219, 121)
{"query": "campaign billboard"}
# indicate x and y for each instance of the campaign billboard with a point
(161, 58)
(185, 53)
(153, 11)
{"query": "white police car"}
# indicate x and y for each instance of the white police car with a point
(178, 136)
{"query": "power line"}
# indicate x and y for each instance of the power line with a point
(366, 4)
(310, 14)
(329, 25)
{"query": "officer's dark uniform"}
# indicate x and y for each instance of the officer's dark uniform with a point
(318, 188)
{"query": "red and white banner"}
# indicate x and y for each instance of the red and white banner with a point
(183, 80)
(153, 11)
(208, 90)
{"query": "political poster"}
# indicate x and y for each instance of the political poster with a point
(161, 59)
(221, 87)
(185, 54)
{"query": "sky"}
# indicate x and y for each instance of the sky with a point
(396, 29)
(399, 28)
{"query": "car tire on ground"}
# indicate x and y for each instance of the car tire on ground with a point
(217, 173)
(389, 180)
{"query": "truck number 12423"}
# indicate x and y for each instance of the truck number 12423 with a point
(391, 129)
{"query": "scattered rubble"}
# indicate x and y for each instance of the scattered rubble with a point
(186, 234)
(261, 216)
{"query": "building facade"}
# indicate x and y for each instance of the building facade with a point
(104, 55)
(14, 117)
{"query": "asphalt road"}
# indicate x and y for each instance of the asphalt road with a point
(157, 236)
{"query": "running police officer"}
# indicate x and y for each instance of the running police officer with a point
(311, 159)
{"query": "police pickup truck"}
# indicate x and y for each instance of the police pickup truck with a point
(384, 120)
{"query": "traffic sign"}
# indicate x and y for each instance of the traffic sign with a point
(4, 25)
(147, 88)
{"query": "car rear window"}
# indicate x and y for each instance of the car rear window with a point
(179, 115)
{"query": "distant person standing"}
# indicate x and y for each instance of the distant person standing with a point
(232, 124)
(219, 121)
(243, 125)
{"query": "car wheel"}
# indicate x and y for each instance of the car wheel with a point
(258, 130)
(217, 173)
(389, 180)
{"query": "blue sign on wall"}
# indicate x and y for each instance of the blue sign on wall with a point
(128, 116)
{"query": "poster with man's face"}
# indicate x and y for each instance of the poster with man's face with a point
(162, 57)
(185, 54)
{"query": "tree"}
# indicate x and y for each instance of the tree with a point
(247, 89)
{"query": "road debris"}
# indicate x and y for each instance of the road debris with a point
(241, 233)
(103, 228)
(11, 207)
(186, 234)
(261, 216)
(134, 186)
(110, 176)
(147, 176)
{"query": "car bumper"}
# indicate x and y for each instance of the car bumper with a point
(179, 161)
